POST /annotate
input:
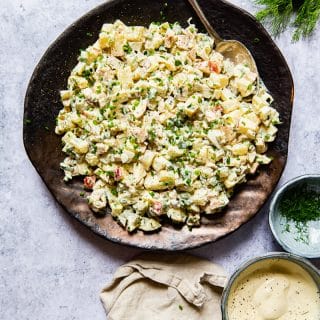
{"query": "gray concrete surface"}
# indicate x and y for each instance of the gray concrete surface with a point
(51, 267)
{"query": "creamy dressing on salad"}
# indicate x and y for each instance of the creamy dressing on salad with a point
(161, 125)
(274, 290)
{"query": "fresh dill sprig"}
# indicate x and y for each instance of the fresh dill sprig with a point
(303, 15)
(306, 19)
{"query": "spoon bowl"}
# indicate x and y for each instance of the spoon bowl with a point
(234, 50)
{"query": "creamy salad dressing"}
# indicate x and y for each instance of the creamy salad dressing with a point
(161, 125)
(274, 290)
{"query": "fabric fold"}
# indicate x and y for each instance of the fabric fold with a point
(170, 286)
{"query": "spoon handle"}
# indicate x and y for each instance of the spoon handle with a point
(207, 25)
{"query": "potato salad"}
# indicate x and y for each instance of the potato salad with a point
(161, 126)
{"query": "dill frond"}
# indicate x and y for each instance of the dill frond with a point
(306, 19)
(276, 15)
(303, 15)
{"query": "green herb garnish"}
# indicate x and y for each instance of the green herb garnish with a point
(114, 191)
(303, 15)
(127, 48)
(300, 206)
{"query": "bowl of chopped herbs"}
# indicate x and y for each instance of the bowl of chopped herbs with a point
(295, 216)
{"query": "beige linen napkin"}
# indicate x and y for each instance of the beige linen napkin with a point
(165, 287)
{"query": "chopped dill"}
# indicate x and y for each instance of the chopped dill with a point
(300, 206)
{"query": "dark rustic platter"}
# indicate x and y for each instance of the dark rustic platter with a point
(42, 104)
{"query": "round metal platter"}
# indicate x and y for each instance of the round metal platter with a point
(42, 104)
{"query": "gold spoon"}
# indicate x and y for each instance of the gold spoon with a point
(234, 50)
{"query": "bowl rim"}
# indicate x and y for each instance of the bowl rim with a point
(272, 212)
(301, 261)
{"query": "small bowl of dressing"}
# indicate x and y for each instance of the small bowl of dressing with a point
(294, 216)
(276, 286)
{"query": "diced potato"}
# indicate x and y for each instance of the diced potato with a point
(138, 172)
(105, 40)
(175, 152)
(92, 159)
(102, 148)
(79, 145)
(203, 155)
(149, 224)
(253, 117)
(141, 206)
(247, 127)
(125, 76)
(139, 111)
(262, 159)
(214, 137)
(79, 68)
(160, 163)
(218, 81)
(135, 33)
(190, 110)
(240, 149)
(167, 177)
(230, 105)
(271, 131)
(135, 46)
(127, 156)
(117, 46)
(258, 102)
(97, 200)
(177, 215)
(261, 147)
(183, 42)
(76, 81)
(65, 94)
(251, 156)
(226, 94)
(129, 220)
(223, 172)
(147, 158)
(234, 162)
(93, 52)
(265, 113)
(153, 183)
(193, 220)
(216, 204)
(244, 86)
(232, 180)
(116, 208)
(200, 197)
(253, 168)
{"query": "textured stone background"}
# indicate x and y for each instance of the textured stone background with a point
(51, 267)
